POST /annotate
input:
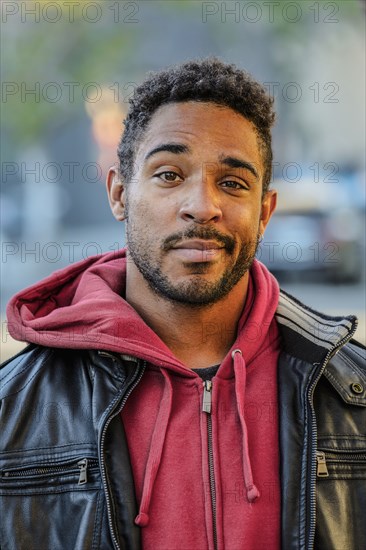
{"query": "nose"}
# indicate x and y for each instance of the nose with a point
(201, 204)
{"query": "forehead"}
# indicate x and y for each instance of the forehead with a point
(207, 128)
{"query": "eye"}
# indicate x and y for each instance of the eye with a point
(233, 184)
(169, 176)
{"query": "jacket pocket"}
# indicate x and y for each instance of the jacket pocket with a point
(44, 476)
(52, 505)
(341, 499)
(341, 464)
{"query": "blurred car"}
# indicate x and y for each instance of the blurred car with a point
(316, 229)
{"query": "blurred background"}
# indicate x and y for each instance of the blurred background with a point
(68, 71)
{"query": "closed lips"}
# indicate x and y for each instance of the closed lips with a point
(199, 245)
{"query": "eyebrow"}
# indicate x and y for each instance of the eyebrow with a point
(175, 148)
(233, 162)
(179, 149)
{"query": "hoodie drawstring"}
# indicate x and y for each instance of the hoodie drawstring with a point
(240, 386)
(159, 434)
(156, 450)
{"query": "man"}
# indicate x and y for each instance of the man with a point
(172, 397)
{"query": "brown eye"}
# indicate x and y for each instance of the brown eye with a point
(232, 184)
(169, 176)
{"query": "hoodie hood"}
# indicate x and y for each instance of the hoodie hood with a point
(82, 307)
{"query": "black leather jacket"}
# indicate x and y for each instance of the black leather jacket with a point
(66, 480)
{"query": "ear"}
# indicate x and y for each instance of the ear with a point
(269, 203)
(116, 194)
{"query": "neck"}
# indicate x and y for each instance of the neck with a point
(198, 336)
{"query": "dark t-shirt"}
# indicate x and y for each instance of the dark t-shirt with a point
(208, 372)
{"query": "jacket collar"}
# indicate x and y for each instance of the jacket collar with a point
(309, 334)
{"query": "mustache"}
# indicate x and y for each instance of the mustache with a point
(204, 233)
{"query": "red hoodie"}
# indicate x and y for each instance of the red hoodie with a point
(202, 478)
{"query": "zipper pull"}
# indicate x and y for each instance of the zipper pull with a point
(83, 464)
(207, 396)
(321, 470)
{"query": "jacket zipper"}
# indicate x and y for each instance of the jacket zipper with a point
(321, 469)
(314, 434)
(336, 457)
(45, 469)
(206, 407)
(83, 465)
(114, 412)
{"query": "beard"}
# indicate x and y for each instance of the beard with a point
(196, 291)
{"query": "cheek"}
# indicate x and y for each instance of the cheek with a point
(139, 209)
(145, 223)
(244, 218)
(153, 212)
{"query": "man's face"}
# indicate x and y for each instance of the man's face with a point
(194, 208)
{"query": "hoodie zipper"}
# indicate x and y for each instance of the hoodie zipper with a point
(114, 412)
(314, 434)
(206, 407)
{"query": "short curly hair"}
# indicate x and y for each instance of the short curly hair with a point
(207, 80)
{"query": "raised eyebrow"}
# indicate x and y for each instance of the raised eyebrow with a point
(175, 148)
(233, 162)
